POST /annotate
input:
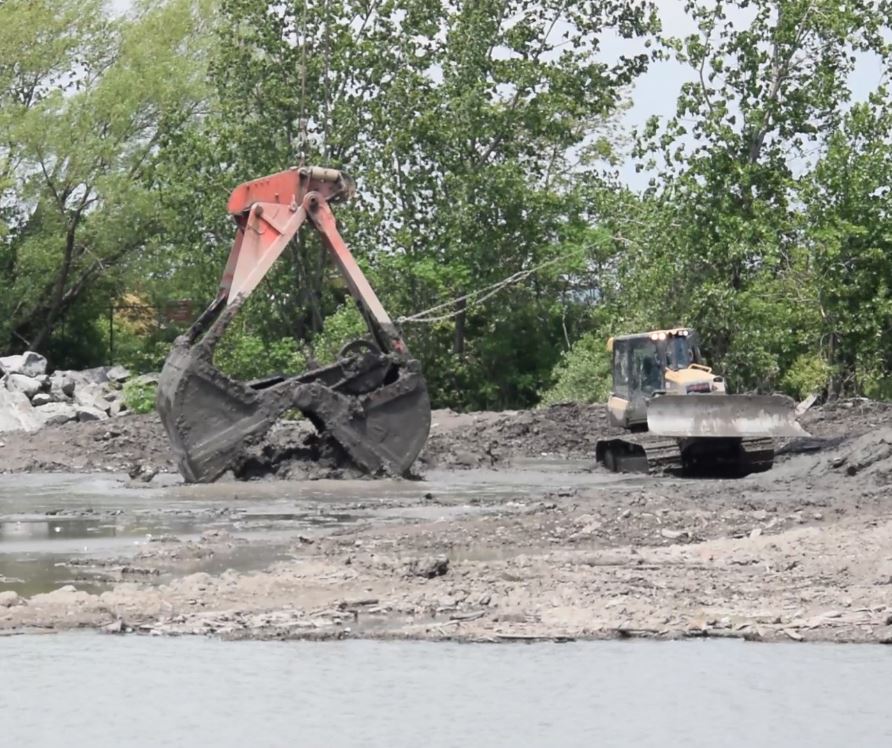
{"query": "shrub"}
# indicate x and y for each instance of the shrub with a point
(139, 396)
(582, 374)
(809, 373)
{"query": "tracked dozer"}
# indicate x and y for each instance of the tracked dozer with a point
(373, 402)
(678, 416)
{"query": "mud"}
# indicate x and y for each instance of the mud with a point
(294, 451)
(509, 534)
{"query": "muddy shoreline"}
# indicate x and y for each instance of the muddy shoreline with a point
(509, 534)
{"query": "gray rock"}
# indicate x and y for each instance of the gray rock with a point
(28, 363)
(9, 598)
(116, 408)
(17, 413)
(118, 374)
(41, 398)
(97, 375)
(428, 568)
(87, 413)
(90, 396)
(55, 414)
(144, 380)
(28, 386)
(61, 386)
(116, 627)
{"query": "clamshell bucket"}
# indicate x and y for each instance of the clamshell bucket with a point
(373, 402)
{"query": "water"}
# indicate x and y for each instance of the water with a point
(52, 527)
(93, 690)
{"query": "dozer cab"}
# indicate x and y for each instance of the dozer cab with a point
(679, 415)
(373, 402)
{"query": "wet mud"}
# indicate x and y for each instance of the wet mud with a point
(509, 533)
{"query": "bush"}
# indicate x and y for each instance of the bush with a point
(344, 325)
(582, 374)
(244, 355)
(139, 396)
(809, 373)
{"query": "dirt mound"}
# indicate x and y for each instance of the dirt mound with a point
(868, 455)
(481, 439)
(847, 417)
(294, 451)
(117, 445)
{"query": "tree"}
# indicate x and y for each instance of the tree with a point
(848, 204)
(85, 99)
(466, 124)
(770, 88)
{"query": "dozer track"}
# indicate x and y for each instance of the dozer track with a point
(658, 455)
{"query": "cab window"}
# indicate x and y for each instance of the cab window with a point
(621, 368)
(646, 368)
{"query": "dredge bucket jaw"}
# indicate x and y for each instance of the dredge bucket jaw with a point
(374, 405)
(740, 416)
(373, 401)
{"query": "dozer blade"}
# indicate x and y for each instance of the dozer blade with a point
(374, 405)
(744, 416)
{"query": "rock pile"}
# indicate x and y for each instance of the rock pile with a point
(30, 398)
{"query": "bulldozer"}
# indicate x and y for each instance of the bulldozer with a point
(372, 402)
(677, 413)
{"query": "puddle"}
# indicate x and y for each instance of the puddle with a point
(32, 574)
(58, 529)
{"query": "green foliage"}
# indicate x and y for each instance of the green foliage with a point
(84, 102)
(342, 327)
(139, 396)
(808, 374)
(582, 374)
(246, 355)
(464, 125)
(776, 186)
(482, 136)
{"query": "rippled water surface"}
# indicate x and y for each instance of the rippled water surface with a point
(94, 690)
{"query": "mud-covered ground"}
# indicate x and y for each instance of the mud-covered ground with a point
(509, 533)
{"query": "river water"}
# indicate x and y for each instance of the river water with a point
(95, 690)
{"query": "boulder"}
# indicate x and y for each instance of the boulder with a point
(28, 386)
(9, 598)
(88, 413)
(116, 408)
(118, 374)
(144, 380)
(97, 375)
(17, 413)
(435, 566)
(54, 414)
(61, 386)
(28, 363)
(91, 396)
(41, 398)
